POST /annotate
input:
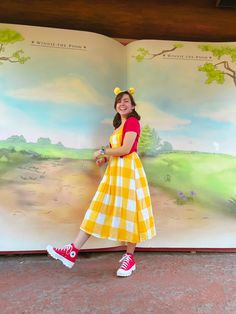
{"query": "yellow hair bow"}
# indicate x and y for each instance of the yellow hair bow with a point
(117, 90)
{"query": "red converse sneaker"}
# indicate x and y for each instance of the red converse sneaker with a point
(67, 255)
(127, 266)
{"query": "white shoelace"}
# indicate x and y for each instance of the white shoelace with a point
(125, 261)
(67, 248)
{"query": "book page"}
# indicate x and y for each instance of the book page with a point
(185, 93)
(56, 107)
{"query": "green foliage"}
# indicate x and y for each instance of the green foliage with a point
(212, 73)
(16, 139)
(44, 141)
(9, 36)
(17, 56)
(59, 144)
(210, 176)
(155, 143)
(9, 159)
(166, 147)
(145, 54)
(149, 142)
(46, 150)
(220, 50)
(232, 204)
(145, 140)
(142, 53)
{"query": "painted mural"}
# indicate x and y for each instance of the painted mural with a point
(56, 107)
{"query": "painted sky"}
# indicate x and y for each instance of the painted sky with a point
(62, 93)
(65, 92)
(175, 100)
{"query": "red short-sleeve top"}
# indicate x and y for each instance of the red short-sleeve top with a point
(132, 125)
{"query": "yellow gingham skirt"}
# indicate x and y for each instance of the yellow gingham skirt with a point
(121, 208)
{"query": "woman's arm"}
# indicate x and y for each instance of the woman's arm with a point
(128, 143)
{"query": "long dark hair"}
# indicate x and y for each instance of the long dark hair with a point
(133, 113)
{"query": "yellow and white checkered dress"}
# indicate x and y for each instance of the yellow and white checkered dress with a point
(121, 209)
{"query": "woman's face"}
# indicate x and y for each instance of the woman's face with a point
(124, 105)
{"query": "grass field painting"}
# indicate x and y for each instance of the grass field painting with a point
(56, 108)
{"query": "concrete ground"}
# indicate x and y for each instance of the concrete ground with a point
(164, 283)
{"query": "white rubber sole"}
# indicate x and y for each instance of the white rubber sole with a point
(56, 256)
(125, 273)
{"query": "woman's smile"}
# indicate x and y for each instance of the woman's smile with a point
(124, 106)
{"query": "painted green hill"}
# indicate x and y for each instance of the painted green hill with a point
(48, 150)
(209, 178)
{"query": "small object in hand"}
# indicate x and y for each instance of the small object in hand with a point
(103, 150)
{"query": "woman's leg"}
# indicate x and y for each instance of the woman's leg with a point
(81, 238)
(128, 263)
(68, 254)
(130, 247)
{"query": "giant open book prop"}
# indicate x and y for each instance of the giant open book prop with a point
(56, 107)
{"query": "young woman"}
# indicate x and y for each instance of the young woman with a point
(121, 209)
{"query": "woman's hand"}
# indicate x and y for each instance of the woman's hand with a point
(100, 162)
(97, 154)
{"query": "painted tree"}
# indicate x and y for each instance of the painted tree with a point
(166, 147)
(155, 143)
(16, 139)
(144, 54)
(149, 142)
(60, 145)
(7, 37)
(44, 141)
(224, 65)
(218, 70)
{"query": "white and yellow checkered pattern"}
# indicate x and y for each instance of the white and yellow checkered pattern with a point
(121, 209)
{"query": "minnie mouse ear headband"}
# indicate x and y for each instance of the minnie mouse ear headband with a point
(117, 91)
